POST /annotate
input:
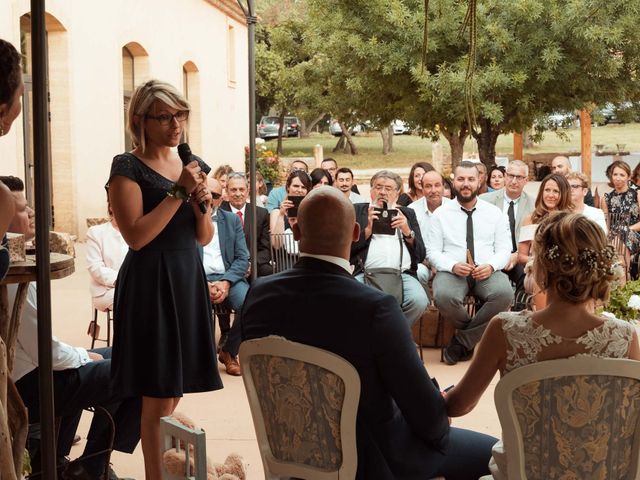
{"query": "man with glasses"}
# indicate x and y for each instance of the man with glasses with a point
(278, 194)
(381, 250)
(226, 260)
(562, 166)
(579, 184)
(515, 204)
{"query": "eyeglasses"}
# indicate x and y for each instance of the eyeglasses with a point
(576, 187)
(166, 118)
(518, 178)
(215, 195)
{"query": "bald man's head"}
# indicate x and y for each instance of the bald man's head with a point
(326, 223)
(560, 165)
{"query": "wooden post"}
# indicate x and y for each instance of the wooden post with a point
(585, 142)
(518, 150)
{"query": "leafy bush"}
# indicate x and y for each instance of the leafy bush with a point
(620, 302)
(267, 163)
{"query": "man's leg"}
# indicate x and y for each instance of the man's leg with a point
(415, 300)
(235, 299)
(467, 455)
(449, 291)
(496, 294)
(516, 276)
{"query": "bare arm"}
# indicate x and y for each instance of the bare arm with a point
(634, 348)
(490, 356)
(524, 248)
(276, 222)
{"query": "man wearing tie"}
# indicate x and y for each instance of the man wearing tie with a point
(238, 192)
(469, 244)
(226, 260)
(516, 204)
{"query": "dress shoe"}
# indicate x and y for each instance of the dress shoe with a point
(454, 352)
(231, 364)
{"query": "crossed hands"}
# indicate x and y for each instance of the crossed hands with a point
(478, 272)
(218, 291)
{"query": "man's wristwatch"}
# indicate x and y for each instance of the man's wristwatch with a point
(411, 235)
(178, 192)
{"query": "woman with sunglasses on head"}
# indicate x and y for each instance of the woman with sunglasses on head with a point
(164, 342)
(298, 185)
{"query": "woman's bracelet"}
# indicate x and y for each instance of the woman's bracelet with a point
(179, 192)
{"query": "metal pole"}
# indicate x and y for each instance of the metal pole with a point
(250, 14)
(43, 219)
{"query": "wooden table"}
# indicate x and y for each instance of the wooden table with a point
(13, 414)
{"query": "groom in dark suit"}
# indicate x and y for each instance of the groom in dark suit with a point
(402, 427)
(226, 260)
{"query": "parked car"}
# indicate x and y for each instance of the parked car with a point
(561, 120)
(336, 131)
(269, 126)
(400, 128)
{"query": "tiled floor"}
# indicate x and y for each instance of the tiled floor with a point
(224, 414)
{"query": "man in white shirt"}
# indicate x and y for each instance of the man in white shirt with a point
(344, 182)
(226, 262)
(469, 244)
(81, 379)
(516, 205)
(402, 249)
(106, 250)
(579, 184)
(433, 190)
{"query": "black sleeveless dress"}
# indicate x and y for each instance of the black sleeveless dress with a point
(163, 343)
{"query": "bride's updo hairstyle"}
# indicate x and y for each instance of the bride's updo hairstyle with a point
(571, 256)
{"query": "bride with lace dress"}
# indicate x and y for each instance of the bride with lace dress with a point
(574, 264)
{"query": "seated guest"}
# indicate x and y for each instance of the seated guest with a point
(415, 186)
(402, 431)
(496, 178)
(579, 184)
(573, 261)
(106, 250)
(261, 190)
(7, 212)
(433, 190)
(331, 166)
(562, 166)
(483, 178)
(554, 196)
(238, 191)
(278, 194)
(448, 188)
(221, 174)
(226, 261)
(298, 185)
(320, 177)
(344, 182)
(81, 379)
(469, 245)
(516, 205)
(379, 250)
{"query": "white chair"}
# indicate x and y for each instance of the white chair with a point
(174, 435)
(571, 418)
(303, 402)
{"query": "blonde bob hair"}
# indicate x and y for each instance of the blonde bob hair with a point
(572, 257)
(142, 102)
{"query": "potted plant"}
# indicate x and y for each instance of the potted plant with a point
(267, 163)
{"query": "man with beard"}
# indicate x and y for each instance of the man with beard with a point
(344, 183)
(402, 247)
(469, 244)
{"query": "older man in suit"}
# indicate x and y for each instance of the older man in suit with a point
(226, 260)
(402, 431)
(238, 193)
(401, 248)
(516, 204)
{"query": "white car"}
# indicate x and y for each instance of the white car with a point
(336, 131)
(400, 128)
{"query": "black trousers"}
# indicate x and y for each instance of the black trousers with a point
(78, 388)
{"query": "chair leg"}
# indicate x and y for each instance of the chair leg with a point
(109, 319)
(95, 328)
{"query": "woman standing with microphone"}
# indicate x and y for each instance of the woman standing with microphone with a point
(163, 331)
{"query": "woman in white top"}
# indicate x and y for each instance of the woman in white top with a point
(554, 196)
(575, 266)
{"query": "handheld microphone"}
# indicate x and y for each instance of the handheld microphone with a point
(184, 152)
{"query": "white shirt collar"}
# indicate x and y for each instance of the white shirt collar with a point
(508, 199)
(235, 210)
(341, 262)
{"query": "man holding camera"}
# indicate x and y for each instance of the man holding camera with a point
(390, 239)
